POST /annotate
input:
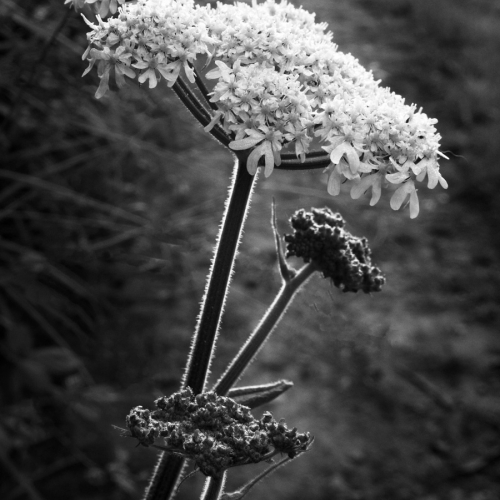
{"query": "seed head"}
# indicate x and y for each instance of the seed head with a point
(319, 237)
(215, 431)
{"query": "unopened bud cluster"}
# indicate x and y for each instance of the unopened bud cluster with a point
(215, 431)
(319, 237)
(280, 83)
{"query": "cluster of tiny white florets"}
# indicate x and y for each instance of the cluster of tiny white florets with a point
(263, 108)
(101, 7)
(280, 83)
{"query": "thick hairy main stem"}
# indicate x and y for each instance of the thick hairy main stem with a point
(169, 468)
(219, 277)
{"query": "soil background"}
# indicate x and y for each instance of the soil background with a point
(109, 211)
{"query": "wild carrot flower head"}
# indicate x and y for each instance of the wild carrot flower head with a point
(280, 85)
(319, 237)
(215, 431)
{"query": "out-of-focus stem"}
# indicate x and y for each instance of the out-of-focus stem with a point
(263, 330)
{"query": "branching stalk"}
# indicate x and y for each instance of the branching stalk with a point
(197, 109)
(263, 330)
(203, 89)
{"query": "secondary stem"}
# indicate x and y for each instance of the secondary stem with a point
(258, 338)
(263, 330)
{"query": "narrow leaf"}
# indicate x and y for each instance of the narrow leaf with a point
(257, 395)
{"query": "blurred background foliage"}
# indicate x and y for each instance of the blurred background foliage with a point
(108, 214)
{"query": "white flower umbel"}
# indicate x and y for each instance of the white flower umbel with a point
(279, 82)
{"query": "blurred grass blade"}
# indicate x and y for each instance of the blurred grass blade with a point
(61, 191)
(57, 168)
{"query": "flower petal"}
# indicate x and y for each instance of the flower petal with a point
(189, 72)
(222, 70)
(414, 207)
(253, 159)
(397, 178)
(376, 190)
(432, 176)
(334, 182)
(103, 85)
(362, 186)
(153, 80)
(334, 142)
(119, 78)
(166, 73)
(398, 197)
(127, 71)
(277, 158)
(443, 182)
(346, 170)
(338, 152)
(245, 143)
(416, 169)
(269, 157)
(352, 158)
(421, 176)
(141, 65)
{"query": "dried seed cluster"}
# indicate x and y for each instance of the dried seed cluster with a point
(215, 431)
(319, 236)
